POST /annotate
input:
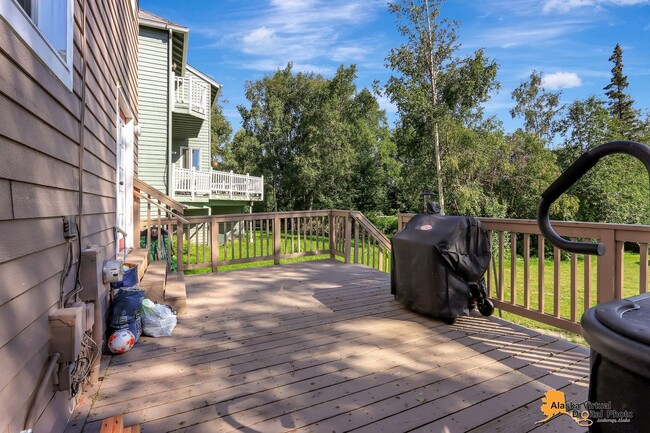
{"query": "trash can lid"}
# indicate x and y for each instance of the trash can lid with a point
(629, 317)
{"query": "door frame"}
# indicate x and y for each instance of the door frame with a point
(124, 115)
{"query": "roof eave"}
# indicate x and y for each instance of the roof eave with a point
(162, 26)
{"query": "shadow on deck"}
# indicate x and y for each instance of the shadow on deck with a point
(323, 347)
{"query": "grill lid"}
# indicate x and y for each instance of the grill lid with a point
(629, 317)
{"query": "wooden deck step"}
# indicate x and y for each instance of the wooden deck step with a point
(175, 294)
(154, 280)
(139, 257)
(115, 424)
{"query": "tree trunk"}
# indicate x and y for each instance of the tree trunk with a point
(432, 69)
(441, 195)
(275, 197)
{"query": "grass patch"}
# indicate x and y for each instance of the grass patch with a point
(260, 244)
(261, 264)
(630, 288)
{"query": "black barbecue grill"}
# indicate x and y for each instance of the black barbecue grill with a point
(438, 265)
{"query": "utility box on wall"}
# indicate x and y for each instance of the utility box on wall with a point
(67, 326)
(95, 291)
(66, 329)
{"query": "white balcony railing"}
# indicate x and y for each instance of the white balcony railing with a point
(217, 184)
(192, 93)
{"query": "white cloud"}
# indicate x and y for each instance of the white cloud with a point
(561, 80)
(528, 33)
(316, 33)
(259, 40)
(292, 5)
(563, 6)
(266, 65)
(349, 53)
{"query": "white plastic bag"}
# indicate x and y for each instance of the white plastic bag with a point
(157, 320)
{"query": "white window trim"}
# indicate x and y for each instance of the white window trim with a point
(14, 15)
(182, 156)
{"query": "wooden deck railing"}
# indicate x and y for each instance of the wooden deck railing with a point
(560, 297)
(162, 213)
(554, 290)
(217, 241)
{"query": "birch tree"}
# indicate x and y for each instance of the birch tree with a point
(430, 42)
(432, 85)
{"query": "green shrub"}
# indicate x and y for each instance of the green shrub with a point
(387, 224)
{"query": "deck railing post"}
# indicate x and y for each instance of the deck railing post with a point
(193, 182)
(276, 239)
(607, 267)
(149, 226)
(214, 244)
(189, 91)
(332, 235)
(179, 246)
(356, 241)
(348, 237)
(136, 221)
(210, 183)
(619, 259)
(230, 188)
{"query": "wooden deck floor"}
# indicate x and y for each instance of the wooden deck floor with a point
(323, 347)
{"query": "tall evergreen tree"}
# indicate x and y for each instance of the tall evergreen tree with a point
(620, 103)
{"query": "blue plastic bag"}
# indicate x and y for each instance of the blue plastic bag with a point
(130, 277)
(125, 310)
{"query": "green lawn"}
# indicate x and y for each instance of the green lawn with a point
(260, 244)
(630, 285)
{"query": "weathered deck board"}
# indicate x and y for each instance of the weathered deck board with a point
(323, 347)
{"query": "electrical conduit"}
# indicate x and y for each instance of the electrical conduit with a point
(45, 380)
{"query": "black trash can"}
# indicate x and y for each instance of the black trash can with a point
(619, 335)
(438, 263)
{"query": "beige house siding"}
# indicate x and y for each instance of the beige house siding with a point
(43, 164)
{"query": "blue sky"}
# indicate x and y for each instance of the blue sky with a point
(570, 41)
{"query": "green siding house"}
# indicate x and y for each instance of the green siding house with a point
(175, 102)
